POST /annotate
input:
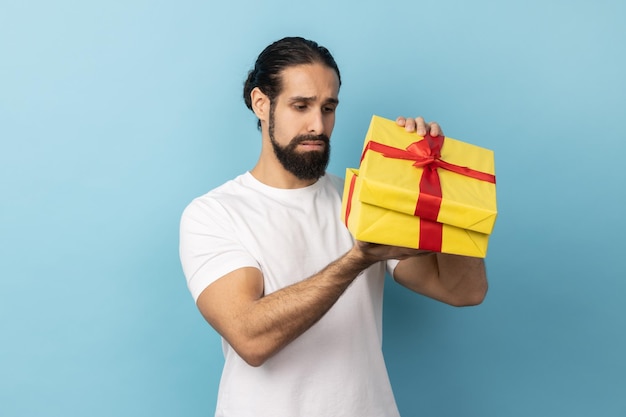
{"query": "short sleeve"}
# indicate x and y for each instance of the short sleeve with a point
(391, 266)
(209, 248)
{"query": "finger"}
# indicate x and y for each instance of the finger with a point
(410, 125)
(401, 121)
(435, 129)
(407, 253)
(421, 127)
(416, 252)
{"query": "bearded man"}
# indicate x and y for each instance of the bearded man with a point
(271, 267)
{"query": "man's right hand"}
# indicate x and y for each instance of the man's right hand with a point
(375, 252)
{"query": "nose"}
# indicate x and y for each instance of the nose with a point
(316, 123)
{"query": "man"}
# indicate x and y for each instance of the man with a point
(297, 301)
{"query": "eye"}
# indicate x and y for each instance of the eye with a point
(329, 109)
(300, 107)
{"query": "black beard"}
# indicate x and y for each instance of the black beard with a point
(310, 165)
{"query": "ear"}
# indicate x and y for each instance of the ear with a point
(260, 104)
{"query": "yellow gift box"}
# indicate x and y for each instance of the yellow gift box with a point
(421, 192)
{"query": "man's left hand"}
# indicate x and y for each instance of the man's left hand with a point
(420, 126)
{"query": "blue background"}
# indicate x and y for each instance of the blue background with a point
(114, 115)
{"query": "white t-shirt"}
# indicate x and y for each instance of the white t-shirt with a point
(335, 368)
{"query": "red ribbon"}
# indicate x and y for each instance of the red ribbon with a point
(427, 155)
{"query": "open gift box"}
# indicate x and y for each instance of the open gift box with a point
(432, 193)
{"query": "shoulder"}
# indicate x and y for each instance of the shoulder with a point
(207, 213)
(217, 199)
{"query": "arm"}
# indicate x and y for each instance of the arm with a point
(258, 326)
(452, 279)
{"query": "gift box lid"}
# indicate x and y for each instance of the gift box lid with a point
(439, 179)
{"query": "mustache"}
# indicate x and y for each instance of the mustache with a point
(304, 138)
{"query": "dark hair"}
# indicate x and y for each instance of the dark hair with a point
(284, 53)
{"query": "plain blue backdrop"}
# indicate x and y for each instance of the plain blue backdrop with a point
(115, 114)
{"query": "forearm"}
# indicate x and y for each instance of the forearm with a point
(452, 279)
(464, 277)
(273, 321)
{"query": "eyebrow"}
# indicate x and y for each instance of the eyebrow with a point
(300, 99)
